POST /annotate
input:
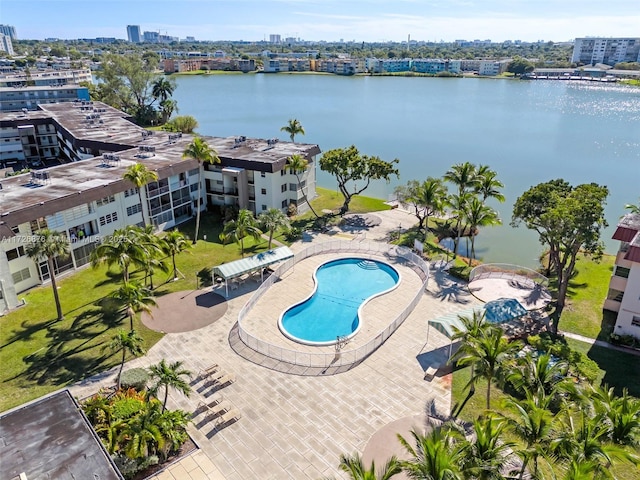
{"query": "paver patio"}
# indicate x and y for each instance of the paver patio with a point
(297, 426)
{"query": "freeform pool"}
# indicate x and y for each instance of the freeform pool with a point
(342, 287)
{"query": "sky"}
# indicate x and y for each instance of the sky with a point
(330, 20)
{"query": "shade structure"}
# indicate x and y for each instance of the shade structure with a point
(503, 310)
(255, 263)
(450, 323)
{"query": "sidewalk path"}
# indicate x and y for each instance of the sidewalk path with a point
(600, 343)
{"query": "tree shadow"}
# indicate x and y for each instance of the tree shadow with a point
(112, 278)
(204, 277)
(74, 350)
(622, 370)
(448, 290)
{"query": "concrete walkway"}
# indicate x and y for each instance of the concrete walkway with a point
(297, 426)
(600, 343)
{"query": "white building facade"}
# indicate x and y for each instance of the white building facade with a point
(624, 288)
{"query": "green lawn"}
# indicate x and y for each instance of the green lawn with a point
(332, 200)
(39, 355)
(587, 291)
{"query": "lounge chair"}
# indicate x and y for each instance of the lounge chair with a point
(214, 401)
(216, 410)
(431, 371)
(214, 376)
(207, 371)
(223, 380)
(232, 415)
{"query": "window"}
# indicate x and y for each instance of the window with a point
(106, 200)
(263, 191)
(15, 253)
(284, 204)
(134, 209)
(283, 187)
(15, 229)
(283, 172)
(193, 187)
(21, 275)
(130, 192)
(293, 187)
(263, 174)
(264, 207)
(621, 272)
(109, 218)
(635, 321)
(615, 295)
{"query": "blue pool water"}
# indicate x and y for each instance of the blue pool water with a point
(342, 287)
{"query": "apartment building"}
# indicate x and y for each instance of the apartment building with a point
(624, 288)
(434, 66)
(134, 34)
(609, 51)
(87, 199)
(491, 68)
(46, 78)
(15, 99)
(28, 141)
(6, 44)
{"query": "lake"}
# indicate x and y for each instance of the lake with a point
(529, 132)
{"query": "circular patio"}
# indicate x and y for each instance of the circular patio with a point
(185, 311)
(496, 281)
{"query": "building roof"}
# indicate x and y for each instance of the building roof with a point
(628, 231)
(253, 263)
(22, 200)
(51, 438)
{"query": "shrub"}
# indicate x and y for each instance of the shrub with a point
(135, 378)
(460, 271)
(292, 210)
(129, 467)
(292, 234)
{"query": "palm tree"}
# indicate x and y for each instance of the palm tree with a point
(202, 153)
(356, 470)
(538, 374)
(488, 185)
(134, 298)
(123, 248)
(167, 107)
(168, 376)
(486, 354)
(436, 456)
(532, 423)
(293, 128)
(477, 214)
(141, 435)
(162, 89)
(298, 165)
(464, 177)
(473, 327)
(633, 208)
(49, 244)
(431, 196)
(622, 414)
(173, 243)
(139, 175)
(126, 342)
(271, 220)
(485, 456)
(236, 230)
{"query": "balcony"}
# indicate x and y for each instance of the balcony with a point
(231, 191)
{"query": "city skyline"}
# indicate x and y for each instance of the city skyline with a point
(329, 20)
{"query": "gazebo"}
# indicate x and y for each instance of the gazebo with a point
(253, 264)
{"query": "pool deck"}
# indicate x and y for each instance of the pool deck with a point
(296, 427)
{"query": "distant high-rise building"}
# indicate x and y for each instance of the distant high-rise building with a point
(151, 37)
(609, 51)
(273, 38)
(9, 31)
(5, 44)
(133, 33)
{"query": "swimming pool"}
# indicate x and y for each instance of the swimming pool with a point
(342, 288)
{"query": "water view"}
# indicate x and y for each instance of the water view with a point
(529, 132)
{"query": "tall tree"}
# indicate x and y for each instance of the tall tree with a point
(168, 376)
(298, 165)
(477, 214)
(173, 243)
(49, 244)
(435, 456)
(488, 185)
(356, 469)
(486, 454)
(123, 248)
(134, 298)
(162, 88)
(426, 199)
(485, 353)
(350, 167)
(464, 177)
(293, 128)
(200, 151)
(568, 220)
(271, 220)
(126, 342)
(633, 208)
(139, 175)
(245, 225)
